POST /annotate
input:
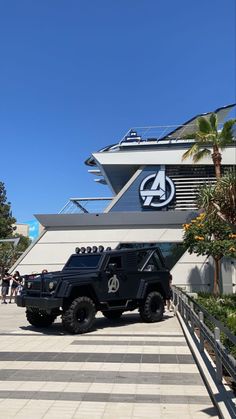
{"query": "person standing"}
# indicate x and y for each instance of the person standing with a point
(5, 285)
(16, 282)
(169, 298)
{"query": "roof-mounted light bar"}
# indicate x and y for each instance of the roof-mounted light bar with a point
(93, 249)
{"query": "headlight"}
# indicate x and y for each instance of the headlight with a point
(52, 285)
(29, 285)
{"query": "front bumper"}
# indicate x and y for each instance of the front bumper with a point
(44, 303)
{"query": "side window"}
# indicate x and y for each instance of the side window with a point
(142, 255)
(116, 260)
(153, 264)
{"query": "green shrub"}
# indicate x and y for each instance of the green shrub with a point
(223, 309)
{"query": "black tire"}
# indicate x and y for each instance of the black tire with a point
(79, 316)
(39, 318)
(113, 314)
(152, 308)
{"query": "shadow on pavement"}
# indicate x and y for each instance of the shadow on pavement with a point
(99, 323)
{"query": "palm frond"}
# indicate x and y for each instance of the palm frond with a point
(226, 135)
(201, 154)
(204, 125)
(189, 136)
(204, 139)
(206, 197)
(191, 151)
(214, 122)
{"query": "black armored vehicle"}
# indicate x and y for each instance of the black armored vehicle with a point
(110, 281)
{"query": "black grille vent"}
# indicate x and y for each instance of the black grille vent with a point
(188, 179)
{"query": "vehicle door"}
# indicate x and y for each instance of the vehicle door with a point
(114, 279)
(154, 270)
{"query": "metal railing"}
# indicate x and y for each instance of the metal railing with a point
(85, 205)
(197, 317)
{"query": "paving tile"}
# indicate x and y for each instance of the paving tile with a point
(131, 343)
(133, 370)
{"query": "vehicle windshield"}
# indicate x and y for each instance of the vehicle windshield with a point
(83, 261)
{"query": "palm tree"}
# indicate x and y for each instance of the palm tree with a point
(209, 141)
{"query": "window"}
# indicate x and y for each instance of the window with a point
(153, 264)
(116, 260)
(142, 255)
(83, 261)
(171, 251)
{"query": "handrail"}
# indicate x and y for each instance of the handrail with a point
(212, 319)
(194, 315)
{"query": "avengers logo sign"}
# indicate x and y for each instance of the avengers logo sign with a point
(156, 190)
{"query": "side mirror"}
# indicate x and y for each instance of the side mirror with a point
(112, 267)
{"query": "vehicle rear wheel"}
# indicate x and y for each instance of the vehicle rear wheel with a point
(39, 318)
(112, 314)
(79, 316)
(152, 308)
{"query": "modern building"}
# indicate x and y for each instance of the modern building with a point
(30, 229)
(153, 194)
(22, 228)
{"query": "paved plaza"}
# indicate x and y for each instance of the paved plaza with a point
(126, 369)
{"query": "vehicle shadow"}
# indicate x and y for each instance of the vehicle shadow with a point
(99, 324)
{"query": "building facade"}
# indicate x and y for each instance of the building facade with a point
(154, 192)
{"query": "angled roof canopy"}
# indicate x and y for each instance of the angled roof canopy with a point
(190, 126)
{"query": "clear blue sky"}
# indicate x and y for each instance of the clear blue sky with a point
(75, 75)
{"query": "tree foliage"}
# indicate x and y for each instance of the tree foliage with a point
(9, 254)
(220, 199)
(6, 219)
(210, 236)
(210, 141)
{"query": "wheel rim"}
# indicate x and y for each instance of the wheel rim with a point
(81, 315)
(155, 306)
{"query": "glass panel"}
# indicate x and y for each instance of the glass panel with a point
(116, 260)
(152, 265)
(83, 261)
(171, 252)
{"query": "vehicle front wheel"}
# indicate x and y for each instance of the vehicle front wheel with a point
(79, 316)
(39, 318)
(112, 314)
(152, 309)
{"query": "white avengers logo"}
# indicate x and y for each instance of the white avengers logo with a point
(113, 284)
(156, 195)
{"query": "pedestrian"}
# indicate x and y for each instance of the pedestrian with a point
(5, 285)
(169, 298)
(16, 282)
(44, 271)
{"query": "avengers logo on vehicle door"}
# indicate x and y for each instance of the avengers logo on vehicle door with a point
(113, 284)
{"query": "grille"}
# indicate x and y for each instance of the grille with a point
(188, 180)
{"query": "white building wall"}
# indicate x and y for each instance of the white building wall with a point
(228, 275)
(51, 251)
(193, 273)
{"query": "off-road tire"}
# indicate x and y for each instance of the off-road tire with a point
(113, 314)
(39, 318)
(79, 316)
(152, 308)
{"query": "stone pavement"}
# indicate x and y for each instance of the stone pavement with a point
(126, 369)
